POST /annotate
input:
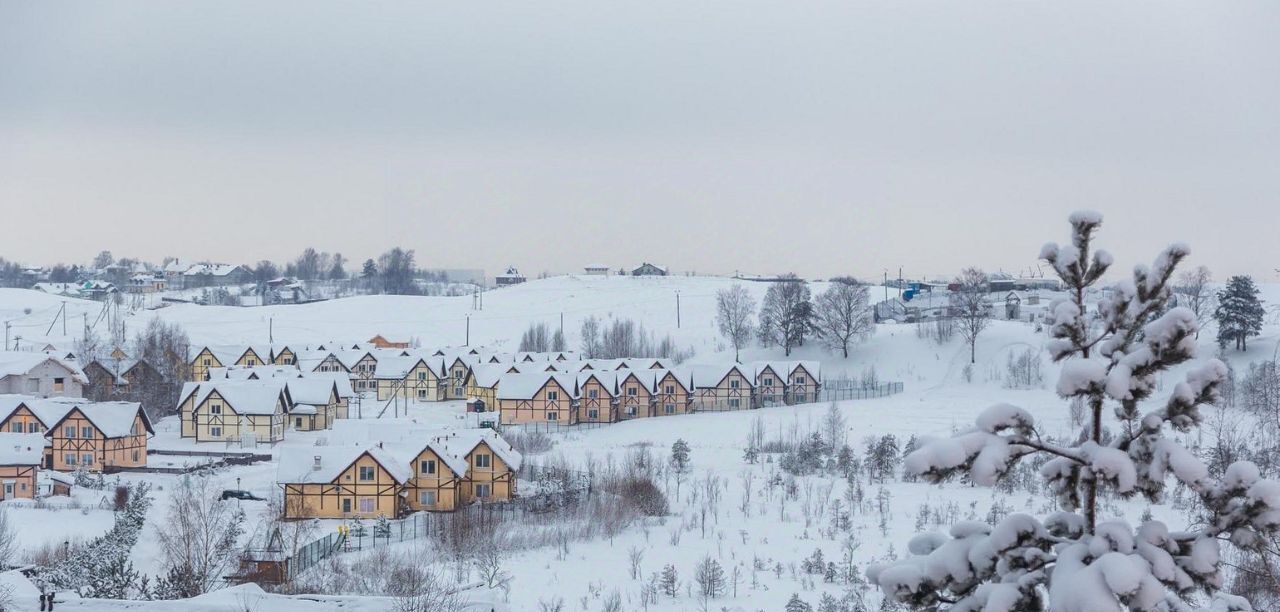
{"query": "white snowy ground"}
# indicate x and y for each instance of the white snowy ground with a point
(937, 401)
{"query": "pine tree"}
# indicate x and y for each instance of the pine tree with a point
(680, 455)
(1069, 561)
(1239, 312)
(670, 581)
(795, 604)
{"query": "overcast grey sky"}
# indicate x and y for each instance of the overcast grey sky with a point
(820, 137)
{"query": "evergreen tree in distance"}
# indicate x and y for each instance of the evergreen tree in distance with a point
(1239, 312)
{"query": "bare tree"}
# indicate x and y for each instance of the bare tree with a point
(1195, 292)
(427, 591)
(734, 310)
(843, 314)
(969, 305)
(590, 346)
(200, 532)
(8, 539)
(786, 315)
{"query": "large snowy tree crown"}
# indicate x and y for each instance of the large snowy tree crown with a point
(1065, 562)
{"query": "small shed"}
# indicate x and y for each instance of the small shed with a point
(476, 404)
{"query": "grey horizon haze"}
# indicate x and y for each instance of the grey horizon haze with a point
(819, 137)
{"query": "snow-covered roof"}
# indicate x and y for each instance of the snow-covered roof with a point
(113, 419)
(684, 376)
(607, 378)
(525, 386)
(244, 396)
(18, 363)
(67, 289)
(310, 391)
(323, 464)
(646, 378)
(488, 374)
(341, 381)
(21, 448)
(463, 441)
(210, 269)
(407, 453)
(710, 375)
(397, 367)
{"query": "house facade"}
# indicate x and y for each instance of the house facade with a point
(99, 436)
(342, 482)
(538, 398)
(40, 375)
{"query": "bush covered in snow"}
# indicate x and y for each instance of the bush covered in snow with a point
(101, 568)
(1073, 561)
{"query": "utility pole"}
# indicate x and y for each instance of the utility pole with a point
(677, 309)
(6, 335)
(271, 330)
(85, 315)
(468, 342)
(64, 318)
(886, 284)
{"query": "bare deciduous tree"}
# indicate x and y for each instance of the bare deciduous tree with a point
(1195, 292)
(786, 315)
(843, 314)
(590, 345)
(734, 311)
(200, 531)
(969, 305)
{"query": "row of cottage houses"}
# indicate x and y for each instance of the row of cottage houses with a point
(259, 403)
(79, 434)
(539, 387)
(591, 392)
(441, 472)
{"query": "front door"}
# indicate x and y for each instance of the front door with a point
(8, 489)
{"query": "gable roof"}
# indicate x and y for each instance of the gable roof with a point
(298, 465)
(113, 419)
(711, 375)
(19, 363)
(244, 396)
(525, 386)
(463, 441)
(311, 391)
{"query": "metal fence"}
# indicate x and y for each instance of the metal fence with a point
(553, 426)
(362, 535)
(835, 391)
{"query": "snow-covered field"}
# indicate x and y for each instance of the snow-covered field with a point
(763, 540)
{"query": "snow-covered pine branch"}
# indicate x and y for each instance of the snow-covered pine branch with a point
(1070, 561)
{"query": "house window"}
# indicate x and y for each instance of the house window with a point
(346, 506)
(16, 428)
(33, 427)
(799, 380)
(86, 432)
(215, 408)
(427, 498)
(670, 408)
(422, 375)
(427, 467)
(215, 432)
(631, 391)
(484, 491)
(593, 393)
(631, 410)
(733, 384)
(482, 461)
(553, 416)
(207, 363)
(422, 394)
(297, 422)
(671, 389)
(593, 414)
(553, 396)
(735, 403)
(69, 459)
(768, 381)
(366, 473)
(57, 385)
(87, 459)
(135, 455)
(368, 504)
(69, 431)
